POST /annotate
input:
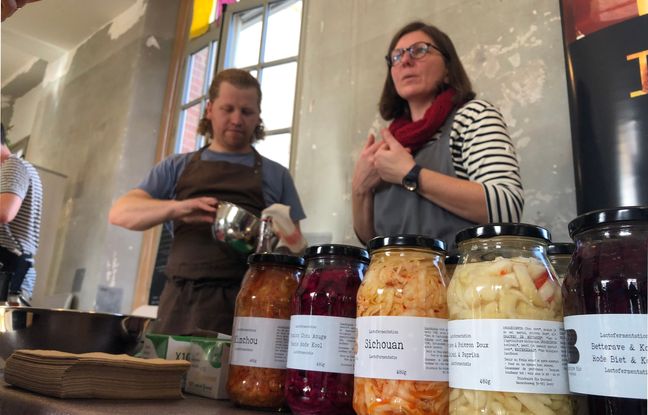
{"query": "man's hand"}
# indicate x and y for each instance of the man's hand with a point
(393, 161)
(138, 211)
(196, 210)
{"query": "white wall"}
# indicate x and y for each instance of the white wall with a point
(24, 114)
(95, 119)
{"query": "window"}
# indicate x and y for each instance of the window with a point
(262, 37)
(265, 41)
(198, 75)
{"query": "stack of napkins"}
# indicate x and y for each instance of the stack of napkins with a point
(95, 375)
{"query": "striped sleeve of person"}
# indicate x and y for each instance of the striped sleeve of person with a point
(22, 179)
(483, 152)
(14, 177)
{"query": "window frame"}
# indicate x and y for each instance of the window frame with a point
(217, 32)
(193, 46)
(242, 6)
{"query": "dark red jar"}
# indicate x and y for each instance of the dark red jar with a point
(604, 296)
(322, 331)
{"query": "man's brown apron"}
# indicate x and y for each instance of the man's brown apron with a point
(204, 275)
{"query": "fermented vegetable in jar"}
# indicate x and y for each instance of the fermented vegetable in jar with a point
(605, 310)
(506, 346)
(260, 332)
(401, 358)
(451, 262)
(322, 330)
(560, 254)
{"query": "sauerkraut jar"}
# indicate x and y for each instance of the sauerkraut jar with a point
(401, 346)
(560, 254)
(451, 262)
(322, 330)
(260, 332)
(605, 310)
(505, 331)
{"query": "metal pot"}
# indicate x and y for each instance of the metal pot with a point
(236, 226)
(69, 331)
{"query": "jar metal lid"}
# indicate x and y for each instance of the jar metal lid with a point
(452, 259)
(337, 250)
(601, 217)
(276, 259)
(561, 248)
(412, 241)
(503, 229)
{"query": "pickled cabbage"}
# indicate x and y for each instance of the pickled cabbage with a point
(402, 283)
(266, 291)
(505, 288)
(325, 291)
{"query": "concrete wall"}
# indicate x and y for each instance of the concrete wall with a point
(513, 53)
(96, 122)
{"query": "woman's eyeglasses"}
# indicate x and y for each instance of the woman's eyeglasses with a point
(415, 51)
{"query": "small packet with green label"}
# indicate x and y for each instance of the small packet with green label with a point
(209, 359)
(209, 368)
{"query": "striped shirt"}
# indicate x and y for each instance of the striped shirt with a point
(483, 152)
(22, 233)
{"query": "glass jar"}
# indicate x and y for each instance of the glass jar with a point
(260, 333)
(506, 345)
(322, 331)
(401, 359)
(560, 254)
(451, 262)
(605, 310)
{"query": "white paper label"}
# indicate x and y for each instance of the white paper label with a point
(260, 342)
(321, 343)
(508, 355)
(404, 348)
(607, 354)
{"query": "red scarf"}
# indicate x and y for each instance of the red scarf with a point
(414, 134)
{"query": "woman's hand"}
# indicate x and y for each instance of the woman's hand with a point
(365, 180)
(392, 160)
(365, 175)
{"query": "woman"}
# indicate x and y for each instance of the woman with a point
(204, 275)
(446, 161)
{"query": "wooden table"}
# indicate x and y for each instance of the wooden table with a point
(15, 401)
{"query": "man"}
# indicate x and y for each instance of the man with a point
(204, 275)
(21, 202)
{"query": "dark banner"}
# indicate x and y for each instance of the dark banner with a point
(606, 45)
